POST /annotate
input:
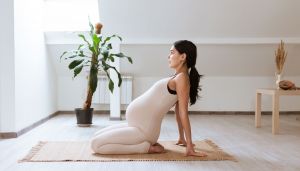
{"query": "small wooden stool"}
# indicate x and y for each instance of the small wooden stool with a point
(275, 105)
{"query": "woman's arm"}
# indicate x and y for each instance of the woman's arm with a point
(183, 88)
(181, 140)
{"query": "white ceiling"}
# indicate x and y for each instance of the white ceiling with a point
(194, 19)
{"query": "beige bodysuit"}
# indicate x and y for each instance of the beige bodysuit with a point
(144, 116)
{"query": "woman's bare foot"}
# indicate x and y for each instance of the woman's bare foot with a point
(191, 152)
(157, 144)
(156, 148)
(182, 143)
(198, 154)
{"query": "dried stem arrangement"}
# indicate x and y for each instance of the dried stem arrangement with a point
(280, 55)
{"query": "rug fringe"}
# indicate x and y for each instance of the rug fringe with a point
(115, 160)
(224, 155)
(33, 151)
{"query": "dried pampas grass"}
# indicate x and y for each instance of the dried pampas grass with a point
(280, 56)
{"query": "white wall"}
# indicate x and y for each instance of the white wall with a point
(71, 92)
(213, 60)
(35, 77)
(7, 72)
(232, 73)
(236, 41)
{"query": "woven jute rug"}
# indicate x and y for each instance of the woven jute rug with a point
(79, 151)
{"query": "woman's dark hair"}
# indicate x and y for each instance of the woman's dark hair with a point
(190, 49)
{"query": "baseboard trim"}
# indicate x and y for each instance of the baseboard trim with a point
(7, 135)
(115, 118)
(200, 112)
(238, 112)
(94, 112)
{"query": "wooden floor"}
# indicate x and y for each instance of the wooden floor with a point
(254, 148)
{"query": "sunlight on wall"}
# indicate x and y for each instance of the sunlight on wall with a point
(69, 15)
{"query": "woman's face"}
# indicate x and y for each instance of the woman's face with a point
(175, 58)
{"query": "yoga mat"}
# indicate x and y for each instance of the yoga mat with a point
(79, 151)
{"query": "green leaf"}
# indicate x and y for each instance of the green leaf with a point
(84, 39)
(120, 79)
(109, 46)
(75, 63)
(92, 49)
(96, 41)
(105, 54)
(119, 76)
(117, 37)
(111, 85)
(63, 54)
(80, 46)
(77, 70)
(81, 54)
(73, 56)
(129, 59)
(105, 40)
(121, 55)
(106, 67)
(111, 58)
(91, 27)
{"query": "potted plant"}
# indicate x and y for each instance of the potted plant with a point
(96, 54)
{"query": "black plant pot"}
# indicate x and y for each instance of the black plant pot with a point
(84, 117)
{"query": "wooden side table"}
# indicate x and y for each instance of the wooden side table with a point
(275, 105)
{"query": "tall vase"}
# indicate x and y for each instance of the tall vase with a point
(278, 79)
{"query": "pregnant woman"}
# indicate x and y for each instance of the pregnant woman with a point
(144, 114)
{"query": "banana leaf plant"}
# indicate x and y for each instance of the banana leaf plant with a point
(96, 54)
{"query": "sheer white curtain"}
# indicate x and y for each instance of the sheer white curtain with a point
(69, 15)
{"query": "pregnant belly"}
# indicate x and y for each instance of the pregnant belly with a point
(146, 117)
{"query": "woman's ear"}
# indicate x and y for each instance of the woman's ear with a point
(183, 57)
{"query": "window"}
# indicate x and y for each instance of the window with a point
(69, 15)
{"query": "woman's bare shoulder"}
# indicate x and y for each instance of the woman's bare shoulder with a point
(182, 78)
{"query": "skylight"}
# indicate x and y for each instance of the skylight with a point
(69, 15)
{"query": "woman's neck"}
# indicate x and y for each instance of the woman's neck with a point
(181, 70)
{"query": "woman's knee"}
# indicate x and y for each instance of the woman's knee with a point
(96, 143)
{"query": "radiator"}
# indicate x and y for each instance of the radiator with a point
(102, 93)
